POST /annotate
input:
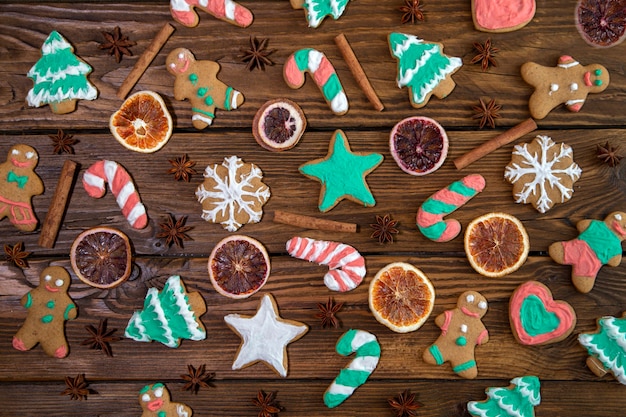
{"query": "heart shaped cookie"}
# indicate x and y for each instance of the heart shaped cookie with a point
(536, 318)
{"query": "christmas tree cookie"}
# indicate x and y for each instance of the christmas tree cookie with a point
(60, 77)
(423, 68)
(517, 400)
(607, 351)
(169, 315)
(317, 10)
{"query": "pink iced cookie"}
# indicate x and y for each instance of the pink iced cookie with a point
(183, 11)
(502, 15)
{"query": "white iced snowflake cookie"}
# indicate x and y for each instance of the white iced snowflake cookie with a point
(543, 173)
(232, 193)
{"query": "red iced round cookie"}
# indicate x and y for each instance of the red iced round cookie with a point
(502, 15)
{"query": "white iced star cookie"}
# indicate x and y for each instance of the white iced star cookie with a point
(265, 336)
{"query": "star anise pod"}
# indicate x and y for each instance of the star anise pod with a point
(63, 142)
(384, 228)
(608, 154)
(256, 56)
(268, 404)
(182, 168)
(174, 231)
(197, 378)
(485, 54)
(412, 11)
(101, 338)
(77, 388)
(117, 44)
(487, 113)
(16, 255)
(404, 405)
(327, 313)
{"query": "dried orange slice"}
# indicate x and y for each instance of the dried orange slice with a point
(143, 123)
(401, 297)
(496, 244)
(101, 257)
(238, 266)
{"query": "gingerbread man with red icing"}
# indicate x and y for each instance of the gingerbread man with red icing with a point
(461, 330)
(568, 83)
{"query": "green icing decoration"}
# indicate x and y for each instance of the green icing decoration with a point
(66, 314)
(332, 87)
(47, 318)
(29, 301)
(461, 341)
(342, 173)
(50, 304)
(535, 319)
(193, 78)
(202, 91)
(602, 241)
(302, 58)
(516, 401)
(162, 414)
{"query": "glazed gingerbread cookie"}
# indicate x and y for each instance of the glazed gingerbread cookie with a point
(155, 402)
(18, 184)
(502, 15)
(461, 331)
(49, 306)
(606, 347)
(599, 243)
(568, 83)
(197, 82)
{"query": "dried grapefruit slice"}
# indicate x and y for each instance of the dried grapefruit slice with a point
(419, 145)
(101, 257)
(143, 123)
(401, 297)
(496, 244)
(238, 266)
(278, 125)
(601, 23)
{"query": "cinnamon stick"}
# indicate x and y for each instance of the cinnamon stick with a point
(52, 223)
(357, 71)
(144, 60)
(309, 222)
(486, 148)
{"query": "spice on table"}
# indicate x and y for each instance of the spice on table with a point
(77, 387)
(174, 231)
(16, 255)
(405, 405)
(384, 229)
(182, 168)
(312, 223)
(100, 338)
(256, 55)
(58, 205)
(412, 11)
(63, 142)
(268, 404)
(487, 113)
(608, 154)
(117, 44)
(327, 313)
(485, 55)
(197, 378)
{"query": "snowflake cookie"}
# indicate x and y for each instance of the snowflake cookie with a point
(543, 173)
(232, 193)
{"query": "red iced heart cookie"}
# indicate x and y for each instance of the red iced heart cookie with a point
(502, 15)
(536, 318)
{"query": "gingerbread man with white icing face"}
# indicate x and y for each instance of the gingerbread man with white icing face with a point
(197, 82)
(18, 184)
(461, 330)
(568, 83)
(155, 402)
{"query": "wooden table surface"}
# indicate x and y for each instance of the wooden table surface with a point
(30, 382)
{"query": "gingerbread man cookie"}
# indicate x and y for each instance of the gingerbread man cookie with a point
(155, 402)
(599, 243)
(49, 307)
(18, 184)
(568, 83)
(197, 82)
(461, 330)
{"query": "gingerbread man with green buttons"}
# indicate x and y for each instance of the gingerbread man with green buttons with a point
(49, 307)
(197, 82)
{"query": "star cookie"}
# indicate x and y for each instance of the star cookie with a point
(342, 173)
(265, 336)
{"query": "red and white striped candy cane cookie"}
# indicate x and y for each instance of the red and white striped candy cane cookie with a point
(122, 187)
(347, 266)
(227, 10)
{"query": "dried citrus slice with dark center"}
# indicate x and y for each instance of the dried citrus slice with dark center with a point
(238, 266)
(143, 123)
(496, 244)
(278, 125)
(401, 297)
(101, 257)
(601, 23)
(419, 145)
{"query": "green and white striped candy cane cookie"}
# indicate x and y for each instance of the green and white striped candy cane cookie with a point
(367, 350)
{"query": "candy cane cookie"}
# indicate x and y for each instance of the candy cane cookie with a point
(367, 350)
(347, 266)
(121, 186)
(322, 71)
(227, 10)
(443, 202)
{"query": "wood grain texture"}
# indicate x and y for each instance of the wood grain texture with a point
(30, 383)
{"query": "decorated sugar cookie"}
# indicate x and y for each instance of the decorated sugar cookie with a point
(183, 11)
(155, 402)
(502, 15)
(517, 400)
(606, 347)
(317, 10)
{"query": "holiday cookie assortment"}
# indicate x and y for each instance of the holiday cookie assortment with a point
(234, 192)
